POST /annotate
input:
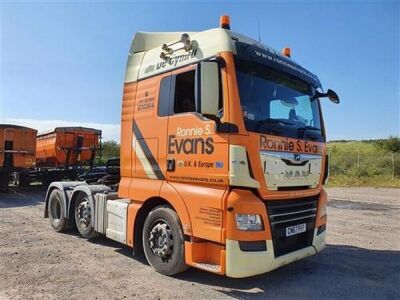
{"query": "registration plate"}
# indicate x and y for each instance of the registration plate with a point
(295, 229)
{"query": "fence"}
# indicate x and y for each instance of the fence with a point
(364, 166)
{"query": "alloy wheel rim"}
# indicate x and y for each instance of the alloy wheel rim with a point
(83, 213)
(161, 240)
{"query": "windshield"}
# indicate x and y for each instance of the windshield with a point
(276, 103)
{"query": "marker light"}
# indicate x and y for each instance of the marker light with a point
(286, 52)
(322, 210)
(225, 22)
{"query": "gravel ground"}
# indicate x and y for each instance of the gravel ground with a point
(362, 259)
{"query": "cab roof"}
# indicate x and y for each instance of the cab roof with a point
(144, 56)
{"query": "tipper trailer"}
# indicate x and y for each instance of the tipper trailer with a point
(223, 158)
(17, 151)
(61, 153)
(67, 146)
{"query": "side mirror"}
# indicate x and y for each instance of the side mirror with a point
(332, 96)
(209, 88)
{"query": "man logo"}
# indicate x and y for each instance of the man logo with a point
(297, 157)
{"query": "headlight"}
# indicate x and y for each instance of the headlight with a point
(322, 210)
(249, 222)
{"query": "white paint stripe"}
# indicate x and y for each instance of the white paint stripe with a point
(143, 159)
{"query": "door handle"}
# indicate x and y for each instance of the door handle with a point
(170, 164)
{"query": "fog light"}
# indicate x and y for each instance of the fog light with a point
(253, 246)
(249, 222)
(321, 229)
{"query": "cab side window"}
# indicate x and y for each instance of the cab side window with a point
(184, 100)
(177, 94)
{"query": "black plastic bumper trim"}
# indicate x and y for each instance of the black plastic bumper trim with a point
(253, 246)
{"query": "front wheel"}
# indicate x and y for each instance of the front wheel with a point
(83, 216)
(163, 241)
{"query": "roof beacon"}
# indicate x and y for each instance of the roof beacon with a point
(225, 22)
(286, 52)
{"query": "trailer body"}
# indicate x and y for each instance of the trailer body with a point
(17, 150)
(67, 146)
(223, 158)
(63, 153)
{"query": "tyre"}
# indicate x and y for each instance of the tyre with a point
(163, 241)
(46, 180)
(56, 211)
(24, 179)
(83, 216)
(4, 179)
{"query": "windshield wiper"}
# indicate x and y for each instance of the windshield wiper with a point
(272, 126)
(310, 128)
(275, 121)
(302, 131)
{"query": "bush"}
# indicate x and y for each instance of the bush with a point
(392, 144)
(372, 162)
(110, 149)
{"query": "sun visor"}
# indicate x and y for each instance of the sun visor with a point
(270, 58)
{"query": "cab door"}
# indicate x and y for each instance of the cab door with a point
(196, 152)
(197, 155)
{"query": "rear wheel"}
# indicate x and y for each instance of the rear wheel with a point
(83, 216)
(163, 241)
(56, 211)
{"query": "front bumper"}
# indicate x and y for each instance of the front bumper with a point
(243, 263)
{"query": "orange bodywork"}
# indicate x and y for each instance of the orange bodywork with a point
(17, 146)
(67, 146)
(197, 190)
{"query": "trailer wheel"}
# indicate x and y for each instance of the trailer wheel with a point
(24, 179)
(4, 179)
(163, 241)
(83, 216)
(56, 211)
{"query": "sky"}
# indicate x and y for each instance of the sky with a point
(64, 63)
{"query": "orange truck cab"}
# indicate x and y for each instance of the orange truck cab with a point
(223, 158)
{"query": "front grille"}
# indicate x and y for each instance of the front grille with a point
(285, 213)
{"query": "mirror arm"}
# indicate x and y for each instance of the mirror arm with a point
(219, 60)
(216, 119)
(318, 95)
(226, 128)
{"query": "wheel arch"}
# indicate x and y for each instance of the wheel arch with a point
(63, 187)
(141, 215)
(174, 202)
